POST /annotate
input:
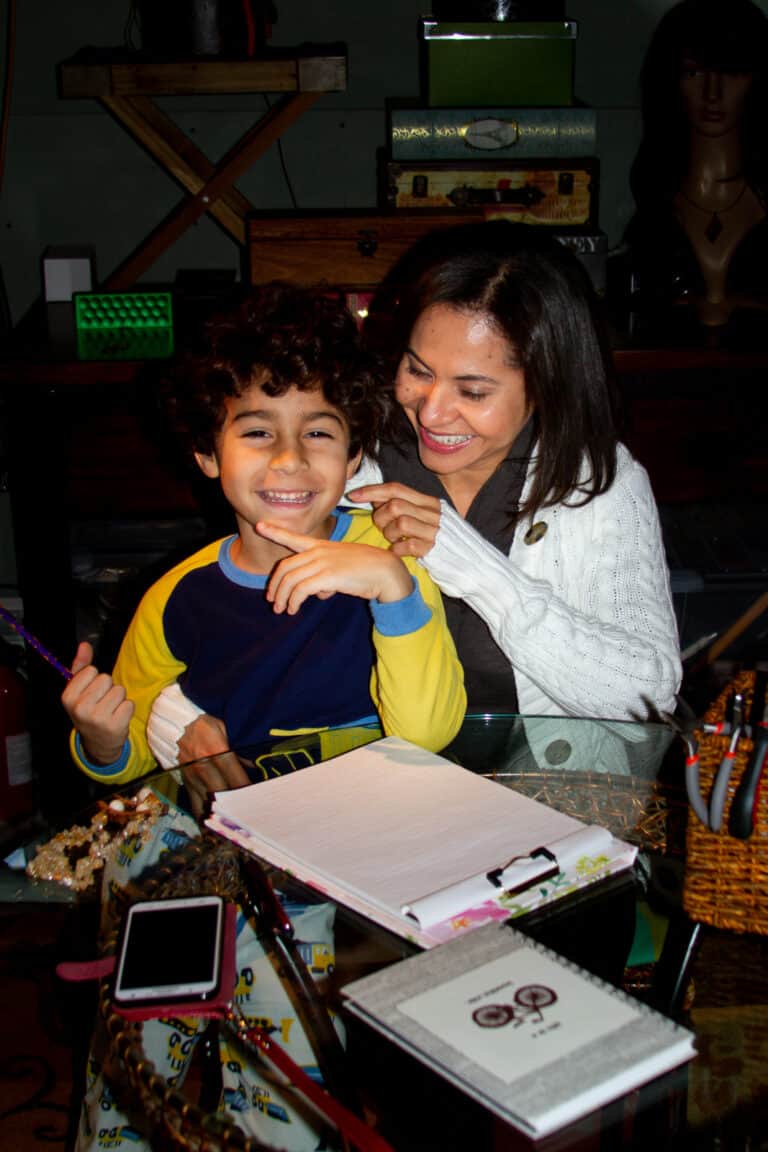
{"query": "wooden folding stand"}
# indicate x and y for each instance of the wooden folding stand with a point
(126, 85)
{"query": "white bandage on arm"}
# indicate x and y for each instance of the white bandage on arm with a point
(170, 715)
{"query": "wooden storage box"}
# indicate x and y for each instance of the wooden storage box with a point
(353, 249)
(551, 190)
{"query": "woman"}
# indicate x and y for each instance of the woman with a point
(503, 474)
(700, 177)
(505, 477)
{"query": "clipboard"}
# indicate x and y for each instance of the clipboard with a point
(415, 842)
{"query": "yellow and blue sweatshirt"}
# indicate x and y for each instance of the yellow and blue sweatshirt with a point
(207, 625)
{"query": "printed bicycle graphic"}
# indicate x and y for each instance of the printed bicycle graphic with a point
(528, 1003)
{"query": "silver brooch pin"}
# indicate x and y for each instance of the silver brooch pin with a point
(535, 532)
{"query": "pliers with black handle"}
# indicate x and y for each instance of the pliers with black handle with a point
(719, 791)
(743, 813)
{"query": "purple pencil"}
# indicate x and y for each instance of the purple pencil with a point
(33, 642)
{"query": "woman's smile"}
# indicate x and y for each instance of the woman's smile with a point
(442, 443)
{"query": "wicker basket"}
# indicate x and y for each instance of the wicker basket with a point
(726, 879)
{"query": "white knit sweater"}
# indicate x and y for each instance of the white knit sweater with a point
(585, 613)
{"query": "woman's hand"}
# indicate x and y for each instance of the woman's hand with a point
(98, 708)
(407, 518)
(322, 568)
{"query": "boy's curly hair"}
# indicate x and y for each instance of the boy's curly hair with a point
(283, 336)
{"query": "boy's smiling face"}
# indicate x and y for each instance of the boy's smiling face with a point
(282, 458)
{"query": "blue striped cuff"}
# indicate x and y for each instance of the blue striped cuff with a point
(401, 617)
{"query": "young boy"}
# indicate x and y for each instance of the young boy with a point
(303, 620)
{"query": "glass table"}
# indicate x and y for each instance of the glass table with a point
(627, 777)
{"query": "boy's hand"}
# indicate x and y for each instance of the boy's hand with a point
(323, 567)
(407, 518)
(205, 736)
(98, 709)
(211, 773)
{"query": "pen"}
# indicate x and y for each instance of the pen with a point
(263, 897)
(697, 646)
(33, 642)
(276, 933)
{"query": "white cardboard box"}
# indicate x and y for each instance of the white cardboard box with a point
(66, 269)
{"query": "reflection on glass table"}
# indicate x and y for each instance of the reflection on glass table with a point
(611, 773)
(601, 774)
(624, 777)
(606, 773)
(620, 775)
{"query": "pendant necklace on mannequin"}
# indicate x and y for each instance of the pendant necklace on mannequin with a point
(715, 225)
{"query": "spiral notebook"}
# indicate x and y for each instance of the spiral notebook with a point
(533, 1037)
(424, 847)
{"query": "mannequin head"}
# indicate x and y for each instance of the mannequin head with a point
(705, 72)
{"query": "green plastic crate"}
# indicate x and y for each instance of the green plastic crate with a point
(124, 325)
(498, 63)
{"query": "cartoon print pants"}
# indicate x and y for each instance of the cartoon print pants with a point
(250, 1096)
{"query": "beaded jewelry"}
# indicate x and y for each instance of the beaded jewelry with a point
(75, 855)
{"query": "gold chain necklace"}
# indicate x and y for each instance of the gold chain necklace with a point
(715, 225)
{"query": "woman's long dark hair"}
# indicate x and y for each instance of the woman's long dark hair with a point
(729, 36)
(539, 297)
